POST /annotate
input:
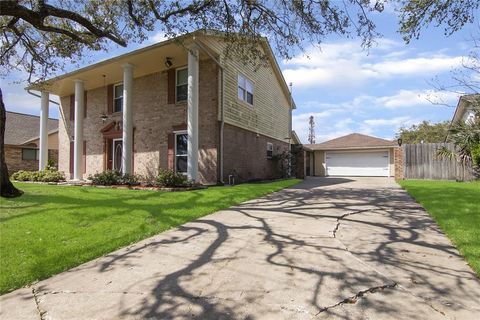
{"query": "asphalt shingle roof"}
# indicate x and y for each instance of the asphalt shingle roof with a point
(352, 141)
(20, 127)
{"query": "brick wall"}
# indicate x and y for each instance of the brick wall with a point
(13, 158)
(245, 155)
(153, 119)
(398, 156)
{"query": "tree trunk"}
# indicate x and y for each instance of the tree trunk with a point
(7, 189)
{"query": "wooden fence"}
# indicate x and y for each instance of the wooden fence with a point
(420, 161)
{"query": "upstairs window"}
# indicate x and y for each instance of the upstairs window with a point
(245, 89)
(118, 97)
(181, 82)
(269, 150)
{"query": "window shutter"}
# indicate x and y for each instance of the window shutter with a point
(72, 107)
(85, 104)
(84, 155)
(171, 86)
(71, 157)
(171, 151)
(110, 98)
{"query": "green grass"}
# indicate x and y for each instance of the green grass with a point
(54, 228)
(455, 206)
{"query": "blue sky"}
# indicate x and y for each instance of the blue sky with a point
(345, 88)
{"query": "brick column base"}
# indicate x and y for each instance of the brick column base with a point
(398, 156)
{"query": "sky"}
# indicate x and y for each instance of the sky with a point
(346, 88)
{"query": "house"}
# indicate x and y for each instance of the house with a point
(179, 104)
(464, 111)
(351, 155)
(22, 141)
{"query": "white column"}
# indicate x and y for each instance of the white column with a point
(127, 125)
(78, 138)
(43, 152)
(192, 121)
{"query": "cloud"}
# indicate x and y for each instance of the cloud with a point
(397, 121)
(158, 37)
(413, 98)
(344, 63)
(23, 102)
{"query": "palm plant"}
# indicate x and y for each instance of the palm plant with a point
(465, 135)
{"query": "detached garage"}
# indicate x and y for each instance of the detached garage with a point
(351, 155)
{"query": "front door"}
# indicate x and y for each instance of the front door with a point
(117, 146)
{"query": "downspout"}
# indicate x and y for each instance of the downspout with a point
(221, 99)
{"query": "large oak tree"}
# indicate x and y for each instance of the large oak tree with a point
(41, 37)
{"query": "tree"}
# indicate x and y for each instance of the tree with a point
(7, 189)
(466, 138)
(41, 37)
(424, 132)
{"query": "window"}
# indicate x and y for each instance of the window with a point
(181, 153)
(269, 150)
(245, 89)
(118, 97)
(29, 154)
(181, 84)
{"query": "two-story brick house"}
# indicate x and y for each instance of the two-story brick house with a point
(178, 104)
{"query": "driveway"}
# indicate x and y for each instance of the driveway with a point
(328, 248)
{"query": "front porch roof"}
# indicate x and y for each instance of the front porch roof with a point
(146, 61)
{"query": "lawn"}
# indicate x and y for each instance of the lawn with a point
(54, 228)
(455, 206)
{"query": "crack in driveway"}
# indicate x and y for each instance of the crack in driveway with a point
(353, 299)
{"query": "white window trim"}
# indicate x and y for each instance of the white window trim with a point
(269, 148)
(175, 149)
(114, 86)
(253, 87)
(176, 85)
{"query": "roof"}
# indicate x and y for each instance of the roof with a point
(463, 103)
(21, 128)
(295, 138)
(352, 141)
(110, 70)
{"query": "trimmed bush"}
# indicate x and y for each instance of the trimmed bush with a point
(170, 178)
(39, 176)
(112, 178)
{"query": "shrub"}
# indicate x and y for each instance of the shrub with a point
(170, 178)
(113, 177)
(39, 176)
(52, 176)
(22, 175)
(106, 178)
(476, 155)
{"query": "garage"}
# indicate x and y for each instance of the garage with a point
(366, 164)
(351, 155)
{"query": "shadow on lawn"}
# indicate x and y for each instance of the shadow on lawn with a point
(404, 233)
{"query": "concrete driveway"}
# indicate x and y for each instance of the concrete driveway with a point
(328, 248)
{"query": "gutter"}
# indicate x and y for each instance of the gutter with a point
(221, 99)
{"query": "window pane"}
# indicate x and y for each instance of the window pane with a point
(241, 81)
(182, 76)
(181, 164)
(241, 94)
(182, 92)
(118, 91)
(29, 154)
(118, 105)
(249, 86)
(181, 144)
(249, 98)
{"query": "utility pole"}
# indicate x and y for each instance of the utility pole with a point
(311, 130)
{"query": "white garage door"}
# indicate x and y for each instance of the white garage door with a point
(374, 164)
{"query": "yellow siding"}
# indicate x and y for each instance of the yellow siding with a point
(269, 114)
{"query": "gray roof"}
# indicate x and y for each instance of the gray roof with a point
(352, 141)
(20, 128)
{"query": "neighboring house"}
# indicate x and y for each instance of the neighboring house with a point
(179, 104)
(22, 141)
(351, 155)
(463, 111)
